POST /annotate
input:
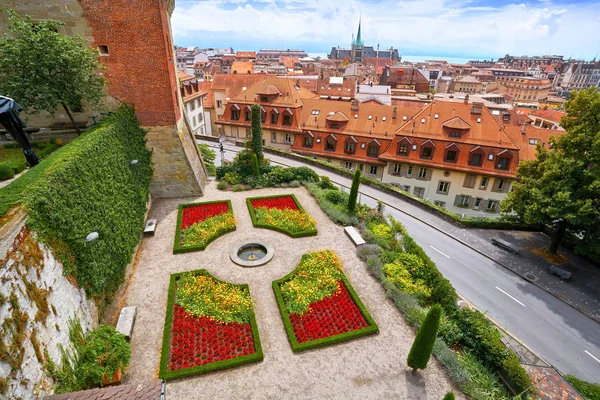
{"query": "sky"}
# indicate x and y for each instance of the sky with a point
(477, 29)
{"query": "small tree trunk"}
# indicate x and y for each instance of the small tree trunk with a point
(414, 371)
(71, 118)
(558, 236)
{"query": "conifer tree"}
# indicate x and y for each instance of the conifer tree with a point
(354, 191)
(255, 170)
(423, 345)
(257, 132)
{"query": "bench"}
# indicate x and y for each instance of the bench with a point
(126, 321)
(353, 234)
(150, 226)
(561, 273)
(506, 245)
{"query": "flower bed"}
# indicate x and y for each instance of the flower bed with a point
(318, 305)
(282, 213)
(210, 325)
(198, 224)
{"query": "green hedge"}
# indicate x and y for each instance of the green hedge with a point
(180, 249)
(90, 186)
(165, 373)
(257, 224)
(313, 344)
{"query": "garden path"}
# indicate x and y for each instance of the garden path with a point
(369, 367)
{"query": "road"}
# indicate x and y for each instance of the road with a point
(563, 336)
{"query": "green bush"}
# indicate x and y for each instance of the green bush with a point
(449, 396)
(232, 178)
(6, 172)
(237, 188)
(352, 198)
(91, 187)
(483, 384)
(211, 170)
(591, 391)
(12, 146)
(208, 154)
(336, 197)
(255, 170)
(336, 213)
(325, 183)
(222, 185)
(515, 374)
(419, 354)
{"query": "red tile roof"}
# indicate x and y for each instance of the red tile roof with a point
(209, 99)
(242, 68)
(549, 114)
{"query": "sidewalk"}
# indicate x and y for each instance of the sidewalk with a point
(582, 291)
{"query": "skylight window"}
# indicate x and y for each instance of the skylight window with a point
(370, 116)
(422, 120)
(383, 119)
(355, 115)
(315, 112)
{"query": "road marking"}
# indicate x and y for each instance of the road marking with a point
(591, 355)
(441, 252)
(510, 296)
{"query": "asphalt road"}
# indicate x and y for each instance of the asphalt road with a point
(563, 336)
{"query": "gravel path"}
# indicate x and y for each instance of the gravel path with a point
(369, 367)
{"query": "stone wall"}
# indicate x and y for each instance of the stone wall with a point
(36, 303)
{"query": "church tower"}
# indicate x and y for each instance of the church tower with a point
(357, 46)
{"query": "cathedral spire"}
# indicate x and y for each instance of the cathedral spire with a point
(359, 41)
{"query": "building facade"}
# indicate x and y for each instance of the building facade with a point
(193, 102)
(525, 88)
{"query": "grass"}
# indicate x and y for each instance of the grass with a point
(591, 391)
(12, 194)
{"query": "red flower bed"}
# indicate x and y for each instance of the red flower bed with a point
(199, 213)
(282, 203)
(331, 316)
(197, 341)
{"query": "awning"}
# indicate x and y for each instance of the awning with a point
(274, 110)
(235, 107)
(309, 133)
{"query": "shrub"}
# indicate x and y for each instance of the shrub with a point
(295, 184)
(423, 345)
(516, 374)
(208, 155)
(211, 170)
(449, 396)
(449, 331)
(232, 178)
(591, 391)
(6, 172)
(483, 384)
(325, 183)
(354, 191)
(237, 188)
(257, 138)
(222, 185)
(458, 373)
(443, 293)
(367, 250)
(92, 187)
(414, 316)
(255, 170)
(402, 272)
(336, 197)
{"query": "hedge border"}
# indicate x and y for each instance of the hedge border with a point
(330, 340)
(256, 224)
(184, 249)
(164, 372)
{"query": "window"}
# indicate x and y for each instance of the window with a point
(451, 156)
(103, 50)
(500, 185)
(194, 121)
(492, 206)
(315, 112)
(502, 163)
(235, 115)
(397, 169)
(288, 138)
(443, 187)
(409, 171)
(248, 132)
(287, 120)
(373, 170)
(406, 188)
(308, 141)
(463, 201)
(455, 134)
(247, 115)
(470, 181)
(440, 203)
(234, 131)
(192, 105)
(350, 147)
(426, 152)
(273, 137)
(264, 98)
(403, 149)
(263, 117)
(484, 183)
(219, 104)
(422, 173)
(348, 165)
(476, 160)
(330, 144)
(373, 150)
(419, 192)
(477, 203)
(274, 118)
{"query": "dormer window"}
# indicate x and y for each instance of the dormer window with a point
(502, 163)
(350, 146)
(427, 149)
(451, 156)
(455, 134)
(403, 149)
(235, 114)
(373, 149)
(476, 159)
(330, 143)
(264, 98)
(274, 116)
(287, 120)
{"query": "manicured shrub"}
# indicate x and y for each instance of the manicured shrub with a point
(419, 354)
(591, 391)
(458, 373)
(222, 185)
(354, 191)
(237, 188)
(449, 396)
(325, 183)
(232, 178)
(443, 293)
(6, 172)
(255, 171)
(257, 146)
(336, 197)
(516, 374)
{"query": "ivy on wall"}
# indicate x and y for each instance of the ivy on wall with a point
(94, 187)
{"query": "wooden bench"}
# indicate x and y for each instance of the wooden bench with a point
(353, 234)
(126, 321)
(561, 273)
(150, 226)
(506, 245)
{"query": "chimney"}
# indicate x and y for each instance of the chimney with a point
(476, 108)
(394, 112)
(467, 98)
(354, 105)
(524, 128)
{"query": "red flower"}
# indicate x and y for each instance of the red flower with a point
(282, 203)
(200, 212)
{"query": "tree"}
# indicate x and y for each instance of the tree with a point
(208, 155)
(562, 185)
(257, 131)
(255, 170)
(449, 396)
(41, 68)
(423, 345)
(354, 191)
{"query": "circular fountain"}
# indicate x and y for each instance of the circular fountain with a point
(252, 254)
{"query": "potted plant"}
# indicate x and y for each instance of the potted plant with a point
(103, 357)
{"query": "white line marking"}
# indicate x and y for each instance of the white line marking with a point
(591, 355)
(442, 253)
(510, 296)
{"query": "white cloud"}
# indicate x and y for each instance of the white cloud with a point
(434, 27)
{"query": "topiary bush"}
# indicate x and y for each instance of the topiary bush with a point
(354, 191)
(222, 185)
(449, 396)
(6, 172)
(92, 187)
(419, 354)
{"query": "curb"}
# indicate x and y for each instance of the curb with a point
(596, 319)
